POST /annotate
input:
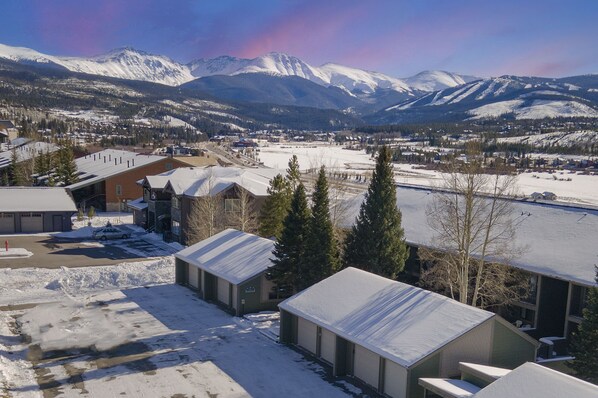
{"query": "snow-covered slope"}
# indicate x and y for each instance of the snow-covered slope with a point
(124, 63)
(537, 109)
(512, 96)
(434, 80)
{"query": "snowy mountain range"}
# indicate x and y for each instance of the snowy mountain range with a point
(128, 63)
(281, 79)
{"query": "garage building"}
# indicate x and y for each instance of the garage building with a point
(389, 334)
(230, 269)
(35, 209)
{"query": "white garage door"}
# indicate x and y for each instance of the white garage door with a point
(327, 345)
(32, 222)
(7, 223)
(223, 286)
(366, 366)
(193, 276)
(395, 380)
(307, 335)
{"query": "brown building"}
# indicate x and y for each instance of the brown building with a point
(108, 179)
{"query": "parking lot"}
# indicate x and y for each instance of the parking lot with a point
(52, 252)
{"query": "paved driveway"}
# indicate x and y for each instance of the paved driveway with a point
(50, 252)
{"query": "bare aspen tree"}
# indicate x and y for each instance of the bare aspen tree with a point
(207, 214)
(474, 237)
(244, 215)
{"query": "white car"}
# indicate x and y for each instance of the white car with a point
(110, 233)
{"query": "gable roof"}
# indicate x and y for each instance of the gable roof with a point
(35, 199)
(107, 163)
(400, 322)
(211, 180)
(531, 380)
(558, 240)
(231, 255)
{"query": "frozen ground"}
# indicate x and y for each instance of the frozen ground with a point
(581, 189)
(127, 330)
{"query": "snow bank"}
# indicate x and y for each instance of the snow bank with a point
(34, 285)
(76, 280)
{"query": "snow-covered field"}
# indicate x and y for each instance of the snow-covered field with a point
(581, 189)
(127, 330)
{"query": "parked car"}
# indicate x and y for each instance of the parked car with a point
(110, 233)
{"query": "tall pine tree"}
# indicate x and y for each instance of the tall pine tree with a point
(321, 254)
(585, 340)
(287, 272)
(67, 168)
(293, 174)
(376, 243)
(275, 207)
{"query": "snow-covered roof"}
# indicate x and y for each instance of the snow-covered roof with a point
(137, 204)
(531, 380)
(35, 199)
(107, 163)
(26, 152)
(558, 241)
(201, 181)
(484, 372)
(449, 387)
(231, 255)
(400, 322)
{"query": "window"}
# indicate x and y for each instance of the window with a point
(176, 228)
(232, 205)
(176, 202)
(579, 299)
(119, 190)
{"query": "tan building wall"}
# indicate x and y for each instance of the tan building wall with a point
(124, 187)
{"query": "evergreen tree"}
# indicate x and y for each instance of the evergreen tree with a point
(585, 340)
(67, 168)
(275, 207)
(321, 254)
(15, 170)
(293, 175)
(287, 272)
(376, 243)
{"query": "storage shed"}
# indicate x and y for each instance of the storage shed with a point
(535, 381)
(389, 334)
(35, 209)
(230, 268)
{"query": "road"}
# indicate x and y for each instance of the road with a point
(49, 252)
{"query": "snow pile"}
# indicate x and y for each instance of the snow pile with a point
(77, 280)
(72, 324)
(34, 285)
(79, 233)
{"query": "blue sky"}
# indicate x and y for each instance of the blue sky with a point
(400, 38)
